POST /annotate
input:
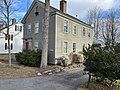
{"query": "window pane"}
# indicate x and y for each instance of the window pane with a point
(75, 30)
(65, 47)
(29, 27)
(74, 47)
(5, 36)
(36, 27)
(20, 28)
(89, 34)
(83, 31)
(5, 46)
(65, 26)
(15, 27)
(12, 37)
(11, 46)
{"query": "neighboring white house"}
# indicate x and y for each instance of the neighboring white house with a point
(16, 38)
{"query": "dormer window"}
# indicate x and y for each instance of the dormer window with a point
(36, 11)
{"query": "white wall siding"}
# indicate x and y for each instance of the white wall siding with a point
(17, 40)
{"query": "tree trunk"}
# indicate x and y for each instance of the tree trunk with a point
(89, 80)
(9, 50)
(44, 58)
(8, 36)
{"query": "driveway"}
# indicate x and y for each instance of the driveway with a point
(63, 81)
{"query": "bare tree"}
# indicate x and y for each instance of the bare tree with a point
(110, 27)
(7, 8)
(93, 17)
(45, 35)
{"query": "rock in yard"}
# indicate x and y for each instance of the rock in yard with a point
(49, 73)
(57, 70)
(39, 74)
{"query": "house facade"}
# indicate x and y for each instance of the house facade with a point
(66, 33)
(16, 38)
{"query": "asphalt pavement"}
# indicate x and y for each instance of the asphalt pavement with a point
(68, 80)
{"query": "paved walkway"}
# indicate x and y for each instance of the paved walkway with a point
(62, 81)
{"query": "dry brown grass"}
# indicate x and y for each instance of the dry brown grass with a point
(20, 71)
(16, 71)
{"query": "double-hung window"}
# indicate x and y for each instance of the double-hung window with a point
(29, 27)
(74, 47)
(6, 46)
(6, 37)
(11, 37)
(65, 47)
(75, 30)
(36, 27)
(84, 31)
(65, 26)
(89, 35)
(11, 46)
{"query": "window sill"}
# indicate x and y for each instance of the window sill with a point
(74, 34)
(65, 32)
(35, 33)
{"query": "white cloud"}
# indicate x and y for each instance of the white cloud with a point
(79, 7)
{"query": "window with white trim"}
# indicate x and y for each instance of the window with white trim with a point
(20, 28)
(65, 26)
(5, 46)
(29, 27)
(75, 30)
(83, 46)
(36, 27)
(11, 46)
(84, 31)
(65, 47)
(11, 37)
(16, 28)
(74, 47)
(89, 34)
(6, 37)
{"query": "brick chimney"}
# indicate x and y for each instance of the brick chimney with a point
(13, 21)
(63, 6)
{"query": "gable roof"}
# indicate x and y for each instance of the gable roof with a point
(54, 9)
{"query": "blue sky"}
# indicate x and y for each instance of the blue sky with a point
(75, 7)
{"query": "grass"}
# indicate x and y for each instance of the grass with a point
(21, 71)
(16, 71)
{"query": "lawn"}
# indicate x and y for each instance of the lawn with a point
(16, 71)
(21, 71)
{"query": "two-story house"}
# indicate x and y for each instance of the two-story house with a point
(16, 38)
(66, 33)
